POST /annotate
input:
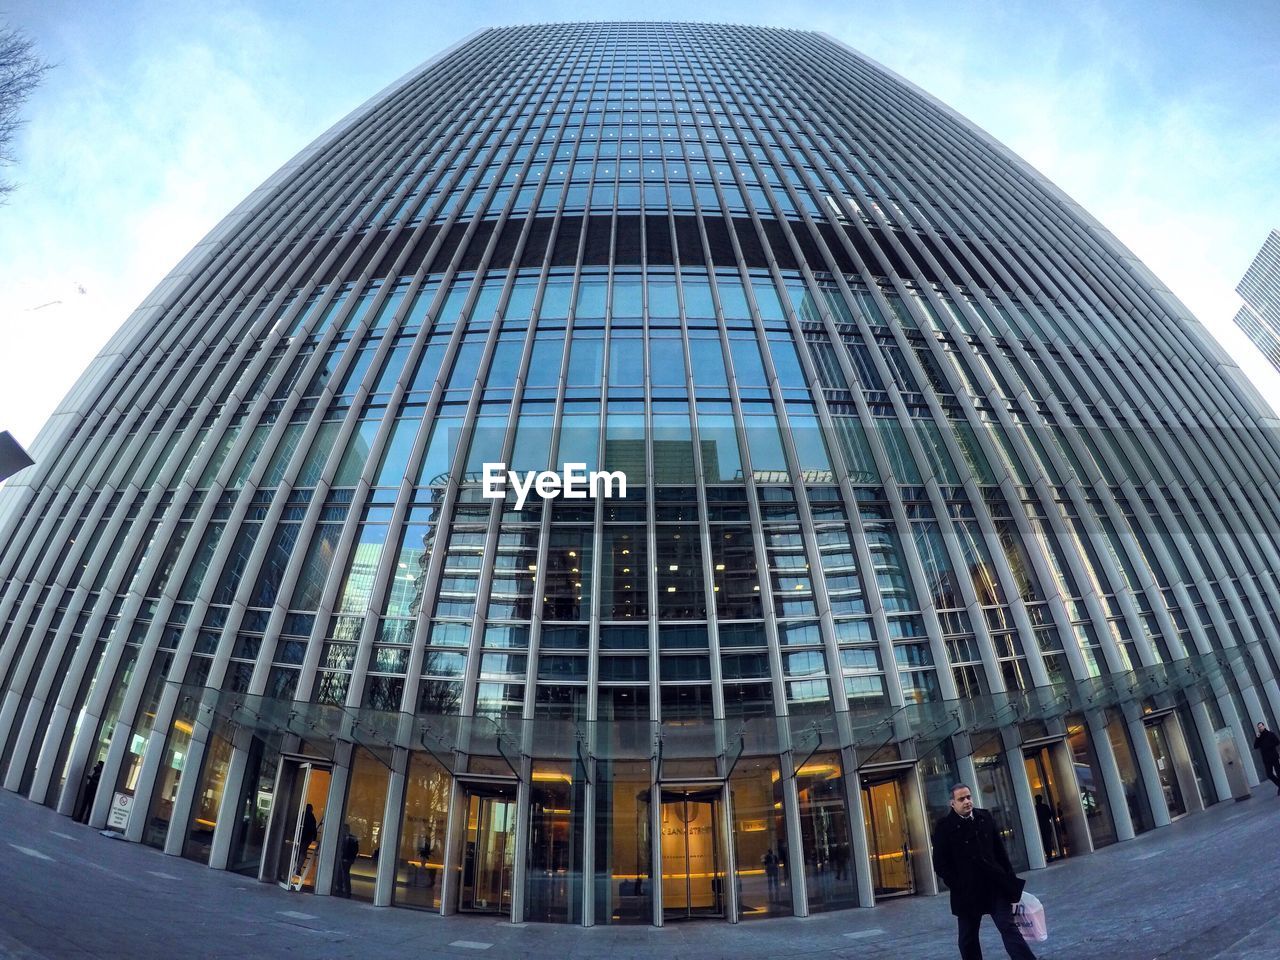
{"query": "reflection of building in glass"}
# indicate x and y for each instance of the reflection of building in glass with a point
(928, 480)
(1259, 317)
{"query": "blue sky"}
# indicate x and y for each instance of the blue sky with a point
(1161, 119)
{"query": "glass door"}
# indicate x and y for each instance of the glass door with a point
(489, 854)
(692, 854)
(304, 821)
(993, 792)
(1164, 767)
(888, 838)
(1054, 836)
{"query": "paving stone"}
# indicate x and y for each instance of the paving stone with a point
(1199, 889)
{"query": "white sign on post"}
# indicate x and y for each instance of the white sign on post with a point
(118, 818)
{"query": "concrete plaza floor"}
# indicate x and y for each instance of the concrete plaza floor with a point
(1205, 887)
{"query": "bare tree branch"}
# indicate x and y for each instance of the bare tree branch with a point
(20, 73)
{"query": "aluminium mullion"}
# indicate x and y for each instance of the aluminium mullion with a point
(1097, 612)
(759, 544)
(826, 428)
(1137, 632)
(1157, 311)
(939, 507)
(17, 615)
(39, 686)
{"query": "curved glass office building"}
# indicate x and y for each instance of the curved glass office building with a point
(926, 479)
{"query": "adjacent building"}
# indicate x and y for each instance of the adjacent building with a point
(1259, 317)
(927, 479)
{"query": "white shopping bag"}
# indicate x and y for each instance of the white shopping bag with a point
(1028, 916)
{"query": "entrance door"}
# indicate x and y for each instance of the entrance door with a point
(1048, 803)
(887, 837)
(693, 862)
(488, 856)
(1164, 767)
(994, 794)
(304, 793)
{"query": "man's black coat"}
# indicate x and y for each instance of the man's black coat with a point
(970, 858)
(1267, 743)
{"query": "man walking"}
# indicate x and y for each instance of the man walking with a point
(1268, 744)
(970, 858)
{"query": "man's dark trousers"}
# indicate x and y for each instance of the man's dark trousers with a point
(1002, 914)
(1272, 764)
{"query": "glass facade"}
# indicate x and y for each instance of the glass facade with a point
(927, 479)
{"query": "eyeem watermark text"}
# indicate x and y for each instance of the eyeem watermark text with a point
(575, 483)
